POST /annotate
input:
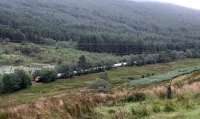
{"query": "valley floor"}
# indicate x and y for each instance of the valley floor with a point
(73, 91)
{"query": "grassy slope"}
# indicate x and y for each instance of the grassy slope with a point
(40, 91)
(9, 55)
(180, 109)
(184, 105)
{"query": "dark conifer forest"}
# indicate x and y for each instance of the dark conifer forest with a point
(112, 26)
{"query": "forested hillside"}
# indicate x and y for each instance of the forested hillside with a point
(116, 26)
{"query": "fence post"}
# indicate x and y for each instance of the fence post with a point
(169, 90)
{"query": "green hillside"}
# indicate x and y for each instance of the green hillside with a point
(116, 26)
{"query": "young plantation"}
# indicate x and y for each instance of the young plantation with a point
(164, 77)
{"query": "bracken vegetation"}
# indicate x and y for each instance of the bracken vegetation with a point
(145, 102)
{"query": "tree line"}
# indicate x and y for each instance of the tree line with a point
(20, 79)
(139, 27)
(126, 45)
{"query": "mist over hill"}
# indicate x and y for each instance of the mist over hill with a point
(133, 27)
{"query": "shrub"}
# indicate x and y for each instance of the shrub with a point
(101, 85)
(64, 68)
(143, 76)
(18, 61)
(136, 97)
(111, 111)
(46, 75)
(179, 83)
(49, 41)
(3, 115)
(170, 107)
(104, 76)
(131, 78)
(83, 63)
(142, 111)
(24, 77)
(156, 108)
(187, 103)
(121, 114)
(29, 50)
(35, 74)
(15, 81)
